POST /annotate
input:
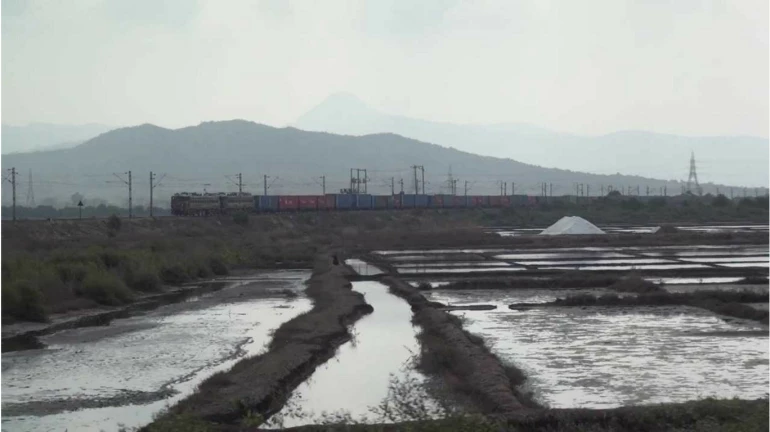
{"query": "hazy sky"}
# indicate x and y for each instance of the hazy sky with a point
(685, 66)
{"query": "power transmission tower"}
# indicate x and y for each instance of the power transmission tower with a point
(130, 195)
(153, 185)
(693, 177)
(30, 192)
(12, 180)
(357, 180)
(416, 181)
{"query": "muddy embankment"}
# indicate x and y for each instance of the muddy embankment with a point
(24, 335)
(473, 238)
(730, 304)
(260, 385)
(461, 359)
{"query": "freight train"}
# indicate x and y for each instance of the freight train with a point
(207, 204)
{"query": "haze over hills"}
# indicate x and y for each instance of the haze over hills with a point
(737, 160)
(199, 157)
(47, 136)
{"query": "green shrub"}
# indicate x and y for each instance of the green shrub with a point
(114, 223)
(241, 218)
(23, 300)
(173, 274)
(218, 266)
(106, 288)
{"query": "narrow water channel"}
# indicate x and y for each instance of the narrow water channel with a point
(105, 378)
(357, 378)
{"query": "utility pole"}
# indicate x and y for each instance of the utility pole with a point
(513, 188)
(240, 184)
(401, 182)
(323, 184)
(466, 188)
(416, 190)
(422, 170)
(30, 192)
(130, 193)
(154, 185)
(264, 184)
(392, 185)
(13, 185)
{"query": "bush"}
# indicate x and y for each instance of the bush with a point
(23, 300)
(720, 201)
(241, 218)
(218, 266)
(173, 274)
(106, 288)
(114, 223)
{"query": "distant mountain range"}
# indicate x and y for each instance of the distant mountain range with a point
(737, 160)
(200, 157)
(46, 136)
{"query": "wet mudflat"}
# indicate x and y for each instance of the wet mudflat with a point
(99, 378)
(363, 268)
(598, 357)
(357, 378)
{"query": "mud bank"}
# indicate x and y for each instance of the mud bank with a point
(461, 359)
(259, 386)
(720, 302)
(26, 335)
(733, 415)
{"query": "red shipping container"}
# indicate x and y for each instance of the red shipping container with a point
(476, 201)
(505, 201)
(326, 202)
(286, 202)
(307, 202)
(495, 201)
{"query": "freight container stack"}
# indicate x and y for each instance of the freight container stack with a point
(307, 202)
(266, 203)
(344, 201)
(326, 202)
(363, 202)
(288, 203)
(382, 202)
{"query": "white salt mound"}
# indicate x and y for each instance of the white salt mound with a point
(569, 225)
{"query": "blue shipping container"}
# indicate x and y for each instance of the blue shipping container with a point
(422, 200)
(268, 203)
(408, 201)
(344, 201)
(364, 202)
